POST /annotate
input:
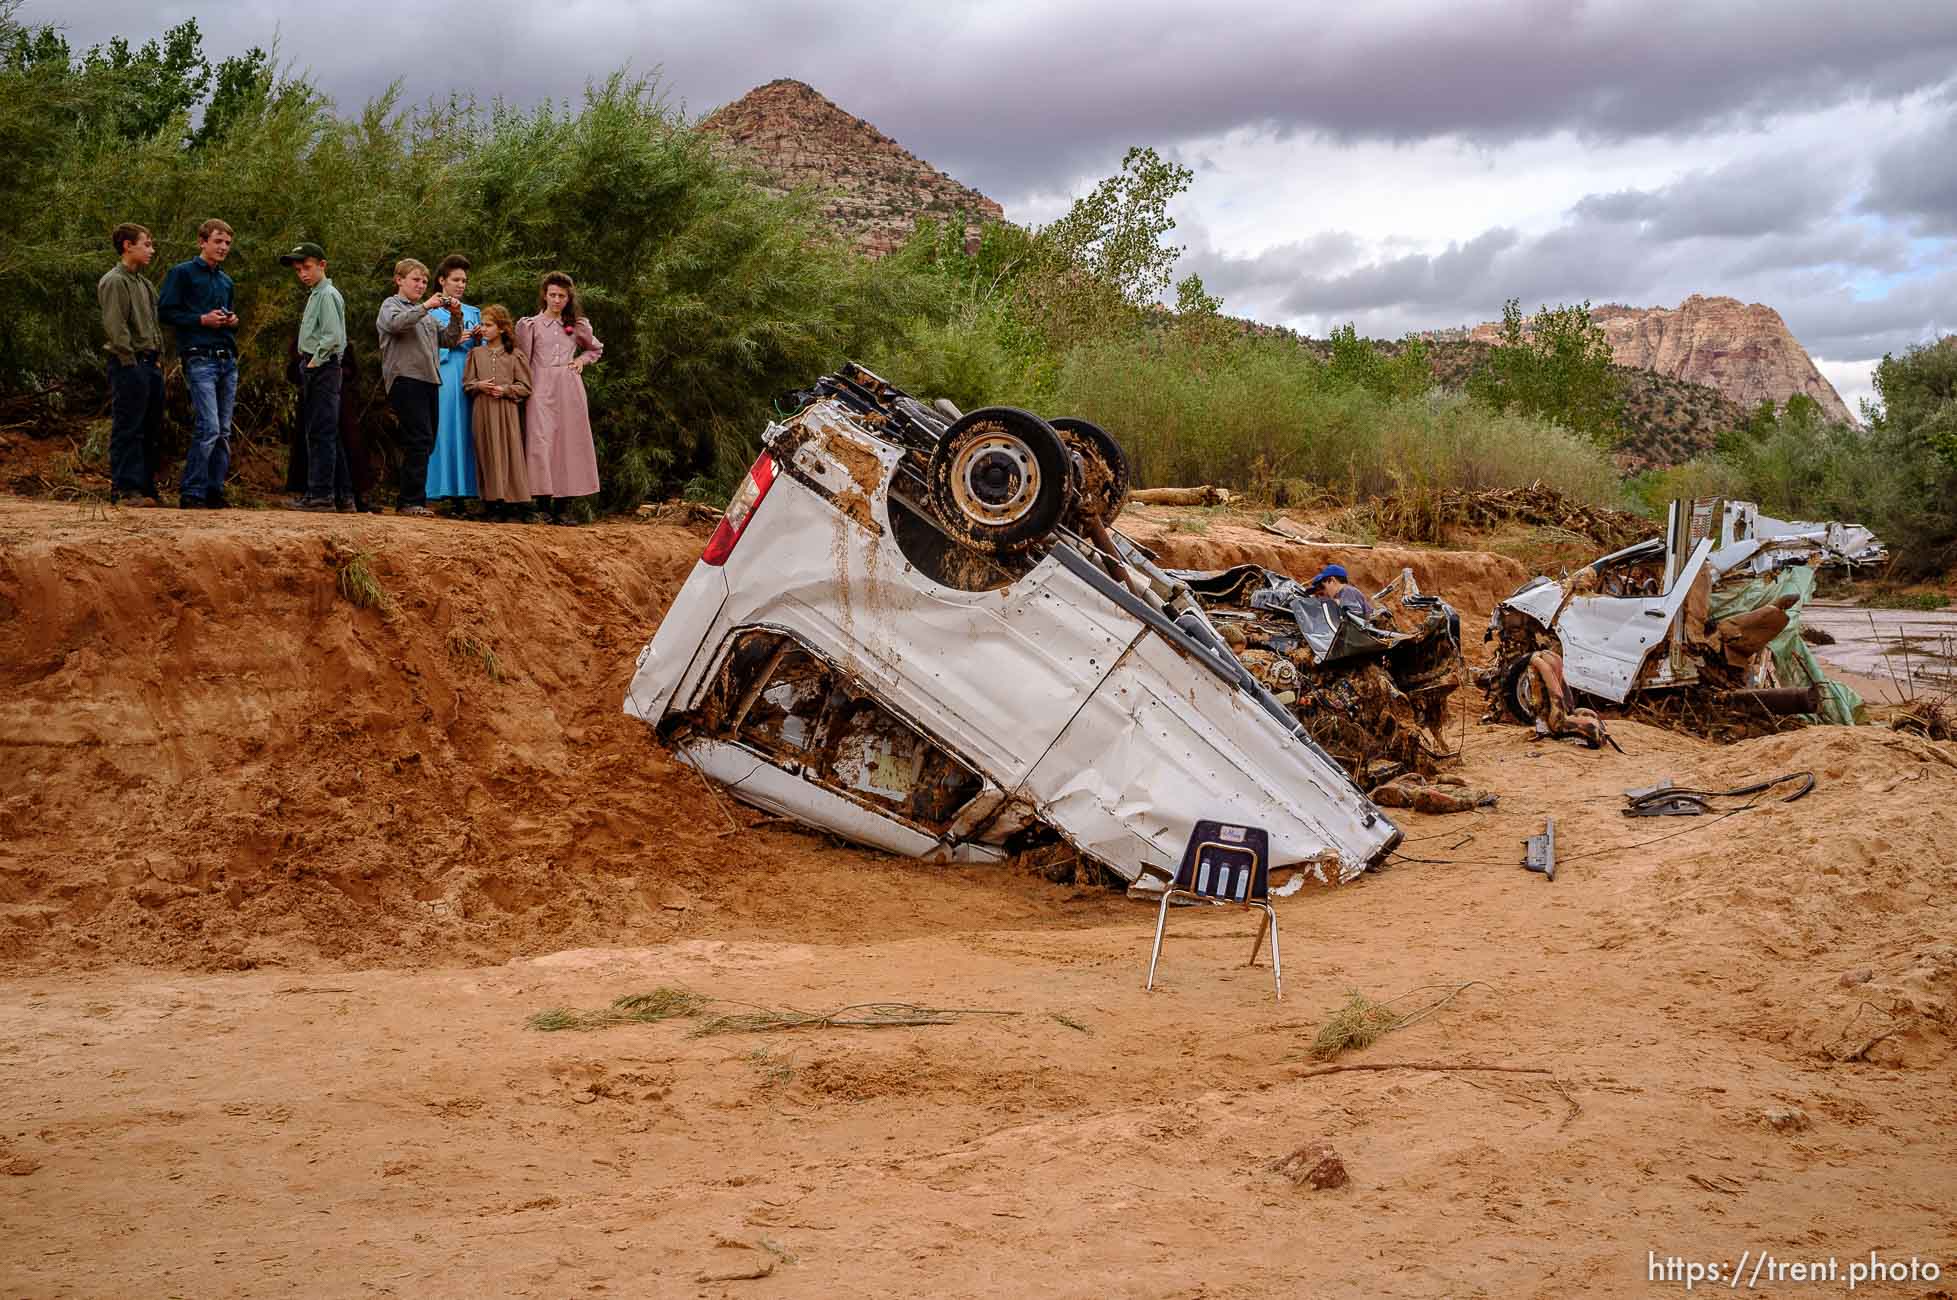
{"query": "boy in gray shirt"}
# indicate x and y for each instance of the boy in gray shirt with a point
(1333, 585)
(409, 369)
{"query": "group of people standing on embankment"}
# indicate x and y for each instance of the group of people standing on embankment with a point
(489, 407)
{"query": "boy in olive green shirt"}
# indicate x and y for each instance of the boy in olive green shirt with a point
(322, 338)
(135, 341)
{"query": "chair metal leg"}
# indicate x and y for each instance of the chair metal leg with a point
(1277, 962)
(1267, 922)
(1161, 921)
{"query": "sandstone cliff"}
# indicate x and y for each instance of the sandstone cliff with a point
(872, 188)
(1744, 351)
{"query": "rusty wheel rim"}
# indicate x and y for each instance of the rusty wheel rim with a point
(995, 479)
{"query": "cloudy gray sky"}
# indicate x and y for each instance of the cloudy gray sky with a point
(1401, 165)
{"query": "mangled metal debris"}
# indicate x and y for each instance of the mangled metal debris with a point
(1667, 803)
(1539, 851)
(1372, 695)
(917, 629)
(1745, 538)
(1699, 628)
(1665, 799)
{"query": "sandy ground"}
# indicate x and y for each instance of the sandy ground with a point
(281, 881)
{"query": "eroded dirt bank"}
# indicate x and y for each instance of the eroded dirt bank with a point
(212, 761)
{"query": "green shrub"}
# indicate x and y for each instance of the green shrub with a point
(1269, 412)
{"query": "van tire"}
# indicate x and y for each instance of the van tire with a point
(1001, 479)
(1518, 690)
(1105, 468)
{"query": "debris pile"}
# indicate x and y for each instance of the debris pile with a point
(1699, 630)
(1370, 694)
(1429, 516)
(1932, 717)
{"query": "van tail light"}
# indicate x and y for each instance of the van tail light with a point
(760, 477)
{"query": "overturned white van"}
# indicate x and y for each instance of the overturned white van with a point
(896, 636)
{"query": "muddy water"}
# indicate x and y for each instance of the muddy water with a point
(1914, 649)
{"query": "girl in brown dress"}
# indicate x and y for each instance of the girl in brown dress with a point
(498, 377)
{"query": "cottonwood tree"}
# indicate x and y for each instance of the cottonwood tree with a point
(1358, 363)
(1917, 395)
(1911, 465)
(1557, 367)
(1107, 260)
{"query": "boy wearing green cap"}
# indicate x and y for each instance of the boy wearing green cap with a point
(322, 338)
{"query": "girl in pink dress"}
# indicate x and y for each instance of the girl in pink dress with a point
(559, 344)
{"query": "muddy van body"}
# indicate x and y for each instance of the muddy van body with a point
(838, 658)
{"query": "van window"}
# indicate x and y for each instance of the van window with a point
(775, 696)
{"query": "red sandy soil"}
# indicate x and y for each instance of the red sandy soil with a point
(282, 879)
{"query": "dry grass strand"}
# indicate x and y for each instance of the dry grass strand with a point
(633, 1009)
(1361, 1022)
(354, 576)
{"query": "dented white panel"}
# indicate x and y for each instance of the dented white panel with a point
(995, 675)
(1160, 747)
(680, 641)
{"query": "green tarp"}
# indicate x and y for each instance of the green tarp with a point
(1793, 661)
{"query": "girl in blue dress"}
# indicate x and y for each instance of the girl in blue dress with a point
(452, 464)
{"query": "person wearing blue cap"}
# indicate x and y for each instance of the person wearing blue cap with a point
(1331, 583)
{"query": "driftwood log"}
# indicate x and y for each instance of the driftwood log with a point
(1182, 496)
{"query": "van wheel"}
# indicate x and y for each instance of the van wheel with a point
(1001, 478)
(1104, 468)
(1521, 692)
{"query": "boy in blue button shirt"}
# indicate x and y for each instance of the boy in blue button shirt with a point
(196, 302)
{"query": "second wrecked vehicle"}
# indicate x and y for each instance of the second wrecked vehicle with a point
(915, 628)
(1698, 627)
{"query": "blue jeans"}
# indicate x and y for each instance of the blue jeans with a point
(213, 382)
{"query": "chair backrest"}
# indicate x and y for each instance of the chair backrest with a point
(1226, 862)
